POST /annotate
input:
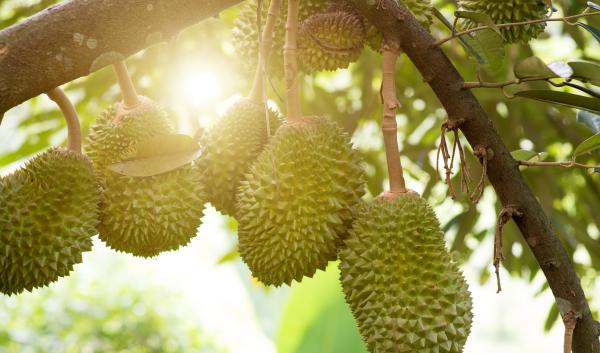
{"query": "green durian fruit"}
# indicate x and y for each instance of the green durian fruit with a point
(510, 11)
(421, 9)
(329, 41)
(48, 214)
(405, 291)
(297, 201)
(245, 34)
(143, 216)
(230, 147)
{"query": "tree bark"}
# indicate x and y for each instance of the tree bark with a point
(398, 25)
(76, 37)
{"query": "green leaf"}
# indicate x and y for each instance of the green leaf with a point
(593, 30)
(533, 67)
(562, 98)
(232, 255)
(490, 46)
(588, 145)
(479, 17)
(586, 71)
(526, 155)
(317, 319)
(589, 119)
(158, 155)
(162, 145)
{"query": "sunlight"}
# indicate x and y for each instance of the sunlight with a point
(199, 88)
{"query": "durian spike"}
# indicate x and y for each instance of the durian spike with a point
(290, 62)
(130, 96)
(389, 125)
(74, 130)
(266, 44)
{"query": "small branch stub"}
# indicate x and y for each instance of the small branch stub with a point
(74, 130)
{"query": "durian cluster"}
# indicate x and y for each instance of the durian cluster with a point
(295, 188)
(510, 11)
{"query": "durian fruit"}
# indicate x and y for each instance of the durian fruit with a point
(297, 201)
(329, 41)
(230, 147)
(48, 214)
(405, 291)
(143, 216)
(510, 11)
(245, 34)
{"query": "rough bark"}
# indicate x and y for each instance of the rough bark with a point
(463, 109)
(76, 37)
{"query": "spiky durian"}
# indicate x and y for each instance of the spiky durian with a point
(510, 11)
(421, 9)
(143, 216)
(297, 201)
(329, 41)
(245, 34)
(230, 147)
(405, 291)
(48, 214)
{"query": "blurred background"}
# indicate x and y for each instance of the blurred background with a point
(202, 297)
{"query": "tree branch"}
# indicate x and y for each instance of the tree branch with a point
(397, 24)
(76, 37)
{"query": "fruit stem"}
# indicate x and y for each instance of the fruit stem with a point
(74, 130)
(290, 62)
(265, 46)
(130, 96)
(389, 125)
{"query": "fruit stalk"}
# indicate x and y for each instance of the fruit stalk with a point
(74, 131)
(130, 96)
(266, 44)
(389, 125)
(290, 62)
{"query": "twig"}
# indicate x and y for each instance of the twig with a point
(265, 45)
(565, 164)
(389, 125)
(448, 158)
(479, 84)
(523, 23)
(483, 155)
(290, 62)
(130, 96)
(74, 130)
(505, 215)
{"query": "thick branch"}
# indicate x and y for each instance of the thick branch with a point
(398, 25)
(76, 37)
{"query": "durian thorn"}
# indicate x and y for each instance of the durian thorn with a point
(265, 46)
(74, 130)
(389, 125)
(130, 96)
(290, 62)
